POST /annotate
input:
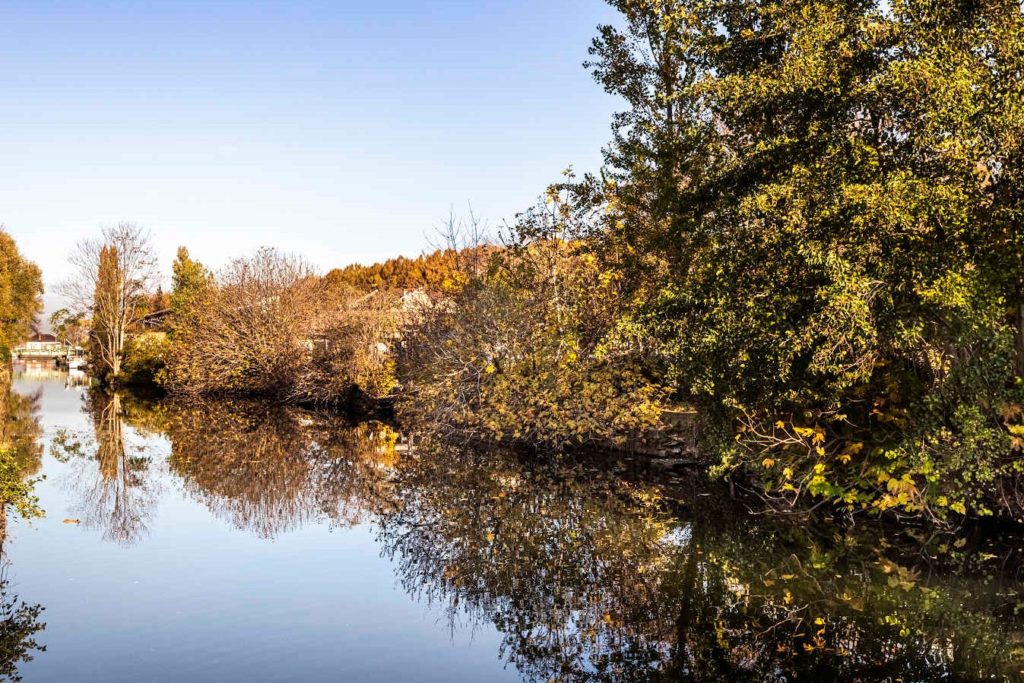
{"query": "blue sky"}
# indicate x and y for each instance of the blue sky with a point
(343, 131)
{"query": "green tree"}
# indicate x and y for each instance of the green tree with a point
(190, 284)
(108, 334)
(21, 289)
(69, 326)
(819, 203)
(529, 350)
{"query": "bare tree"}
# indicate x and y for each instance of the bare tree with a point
(248, 336)
(112, 277)
(468, 238)
(268, 325)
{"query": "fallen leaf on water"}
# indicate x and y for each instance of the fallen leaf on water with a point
(72, 521)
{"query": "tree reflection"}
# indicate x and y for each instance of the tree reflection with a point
(20, 430)
(117, 489)
(20, 452)
(19, 625)
(592, 578)
(20, 433)
(270, 469)
(261, 467)
(590, 572)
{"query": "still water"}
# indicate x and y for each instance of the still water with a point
(238, 541)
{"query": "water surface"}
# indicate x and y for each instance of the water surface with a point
(239, 541)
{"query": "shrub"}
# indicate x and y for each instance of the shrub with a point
(145, 358)
(532, 349)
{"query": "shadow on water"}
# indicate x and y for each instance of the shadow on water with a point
(589, 571)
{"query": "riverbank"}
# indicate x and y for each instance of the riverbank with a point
(675, 453)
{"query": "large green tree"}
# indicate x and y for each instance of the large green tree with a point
(820, 206)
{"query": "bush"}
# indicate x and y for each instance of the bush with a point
(532, 349)
(267, 325)
(145, 357)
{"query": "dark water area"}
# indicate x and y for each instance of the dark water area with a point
(241, 541)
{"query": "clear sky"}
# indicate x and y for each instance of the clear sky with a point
(343, 131)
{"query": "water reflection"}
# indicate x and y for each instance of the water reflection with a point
(113, 479)
(20, 430)
(568, 565)
(19, 626)
(592, 578)
(270, 469)
(20, 434)
(590, 572)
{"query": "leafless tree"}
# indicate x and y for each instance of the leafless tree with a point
(111, 277)
(250, 333)
(268, 325)
(468, 238)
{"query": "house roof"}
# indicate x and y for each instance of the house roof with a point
(38, 337)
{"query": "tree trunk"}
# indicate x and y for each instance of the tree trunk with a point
(3, 529)
(118, 347)
(1020, 339)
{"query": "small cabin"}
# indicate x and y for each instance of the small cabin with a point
(46, 346)
(43, 342)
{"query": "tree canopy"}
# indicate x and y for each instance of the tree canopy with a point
(819, 207)
(21, 289)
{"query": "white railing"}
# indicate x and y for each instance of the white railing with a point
(48, 351)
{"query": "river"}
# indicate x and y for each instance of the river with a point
(241, 541)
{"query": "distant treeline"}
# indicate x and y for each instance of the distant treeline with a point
(433, 272)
